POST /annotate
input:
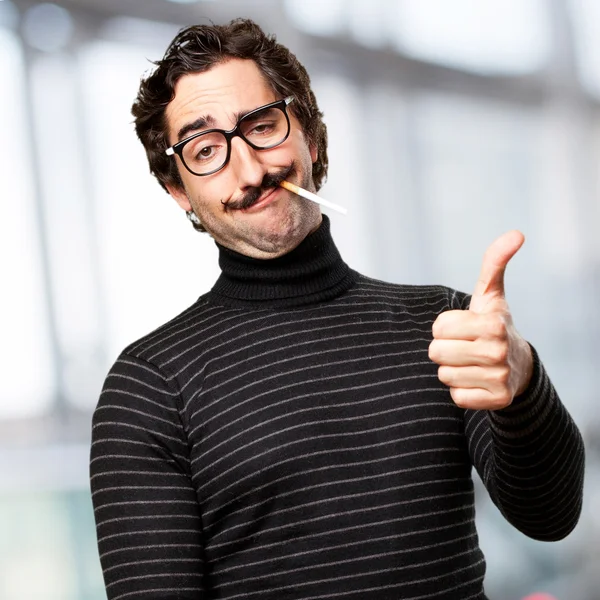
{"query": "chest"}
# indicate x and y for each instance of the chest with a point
(284, 398)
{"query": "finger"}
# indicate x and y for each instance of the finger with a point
(461, 353)
(454, 353)
(479, 399)
(492, 379)
(495, 259)
(468, 325)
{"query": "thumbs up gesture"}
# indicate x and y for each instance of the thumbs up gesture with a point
(481, 357)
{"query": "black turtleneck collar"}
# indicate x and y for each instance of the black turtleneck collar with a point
(312, 272)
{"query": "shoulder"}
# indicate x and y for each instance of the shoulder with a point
(182, 342)
(139, 373)
(434, 298)
(141, 359)
(165, 343)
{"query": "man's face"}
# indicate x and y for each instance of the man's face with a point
(279, 220)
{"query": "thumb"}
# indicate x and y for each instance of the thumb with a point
(495, 259)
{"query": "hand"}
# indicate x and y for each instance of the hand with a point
(482, 358)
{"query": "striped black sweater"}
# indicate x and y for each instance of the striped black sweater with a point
(287, 437)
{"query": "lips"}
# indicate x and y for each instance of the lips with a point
(265, 199)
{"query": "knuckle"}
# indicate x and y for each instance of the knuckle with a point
(497, 327)
(501, 376)
(505, 376)
(497, 353)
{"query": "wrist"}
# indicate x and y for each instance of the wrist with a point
(525, 368)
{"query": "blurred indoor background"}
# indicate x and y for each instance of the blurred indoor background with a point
(449, 123)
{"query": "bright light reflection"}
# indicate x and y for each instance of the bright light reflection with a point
(47, 27)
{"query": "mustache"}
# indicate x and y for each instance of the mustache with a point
(270, 180)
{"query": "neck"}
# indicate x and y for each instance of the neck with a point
(312, 272)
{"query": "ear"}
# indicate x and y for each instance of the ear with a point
(314, 153)
(180, 196)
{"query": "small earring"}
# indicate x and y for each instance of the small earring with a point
(194, 220)
(191, 215)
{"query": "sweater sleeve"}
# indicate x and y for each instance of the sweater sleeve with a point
(146, 510)
(530, 456)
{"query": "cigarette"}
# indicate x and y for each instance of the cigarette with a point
(292, 187)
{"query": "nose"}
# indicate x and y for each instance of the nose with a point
(246, 164)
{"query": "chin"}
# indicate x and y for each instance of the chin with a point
(281, 235)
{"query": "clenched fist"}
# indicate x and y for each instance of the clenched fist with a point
(482, 358)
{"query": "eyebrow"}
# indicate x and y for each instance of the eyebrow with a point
(199, 123)
(208, 120)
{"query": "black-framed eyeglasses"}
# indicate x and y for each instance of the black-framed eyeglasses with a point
(207, 152)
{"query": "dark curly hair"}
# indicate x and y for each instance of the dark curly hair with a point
(199, 48)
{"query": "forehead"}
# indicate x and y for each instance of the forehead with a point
(221, 92)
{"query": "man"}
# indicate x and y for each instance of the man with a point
(303, 431)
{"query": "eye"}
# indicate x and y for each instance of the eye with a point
(263, 127)
(205, 152)
(205, 148)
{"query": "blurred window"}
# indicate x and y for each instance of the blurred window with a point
(26, 351)
(130, 205)
(60, 152)
(152, 36)
(476, 181)
(367, 22)
(585, 16)
(9, 15)
(340, 100)
(317, 17)
(494, 37)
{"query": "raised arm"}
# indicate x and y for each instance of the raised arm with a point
(146, 510)
(522, 441)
